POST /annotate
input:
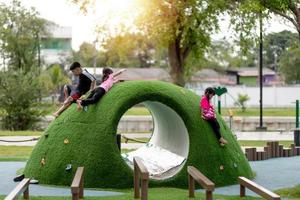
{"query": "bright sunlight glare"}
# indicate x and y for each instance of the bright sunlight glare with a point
(116, 13)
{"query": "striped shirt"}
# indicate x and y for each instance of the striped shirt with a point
(208, 111)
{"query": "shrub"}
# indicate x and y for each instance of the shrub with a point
(19, 93)
(241, 101)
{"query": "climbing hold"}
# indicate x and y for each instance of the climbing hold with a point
(69, 167)
(66, 141)
(33, 181)
(221, 167)
(43, 161)
(85, 108)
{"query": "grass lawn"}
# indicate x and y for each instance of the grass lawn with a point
(14, 153)
(154, 194)
(284, 112)
(20, 133)
(290, 193)
(259, 143)
(137, 111)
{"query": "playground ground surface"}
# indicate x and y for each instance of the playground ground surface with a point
(274, 174)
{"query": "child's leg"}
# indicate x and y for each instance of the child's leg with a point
(216, 127)
(99, 92)
(66, 104)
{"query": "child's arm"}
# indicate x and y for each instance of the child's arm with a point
(118, 72)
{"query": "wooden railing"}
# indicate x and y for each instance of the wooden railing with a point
(140, 173)
(77, 184)
(196, 175)
(22, 187)
(246, 183)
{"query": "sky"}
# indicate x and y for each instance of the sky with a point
(65, 13)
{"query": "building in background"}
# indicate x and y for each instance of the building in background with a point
(250, 76)
(56, 47)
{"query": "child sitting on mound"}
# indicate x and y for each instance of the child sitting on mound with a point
(208, 113)
(86, 82)
(96, 94)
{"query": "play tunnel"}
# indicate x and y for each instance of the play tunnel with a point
(180, 138)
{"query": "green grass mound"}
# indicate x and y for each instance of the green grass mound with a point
(88, 139)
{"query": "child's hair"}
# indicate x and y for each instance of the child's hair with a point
(209, 90)
(75, 65)
(106, 72)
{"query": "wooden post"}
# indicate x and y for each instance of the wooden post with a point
(26, 193)
(208, 195)
(81, 188)
(293, 148)
(242, 191)
(267, 150)
(144, 189)
(191, 187)
(196, 175)
(280, 150)
(277, 149)
(136, 181)
(77, 184)
(140, 174)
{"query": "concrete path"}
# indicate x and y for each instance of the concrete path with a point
(265, 135)
(18, 138)
(272, 174)
(8, 172)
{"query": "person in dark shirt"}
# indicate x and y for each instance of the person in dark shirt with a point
(86, 82)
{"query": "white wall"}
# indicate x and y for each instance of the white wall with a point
(279, 96)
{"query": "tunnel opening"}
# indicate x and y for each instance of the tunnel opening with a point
(167, 149)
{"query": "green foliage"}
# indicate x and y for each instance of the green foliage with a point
(92, 141)
(19, 92)
(129, 50)
(277, 43)
(20, 34)
(289, 66)
(241, 101)
(86, 55)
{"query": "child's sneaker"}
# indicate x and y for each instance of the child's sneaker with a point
(223, 142)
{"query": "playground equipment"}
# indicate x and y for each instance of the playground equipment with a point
(219, 91)
(297, 130)
(179, 132)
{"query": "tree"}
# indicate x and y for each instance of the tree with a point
(289, 66)
(276, 44)
(180, 26)
(130, 50)
(52, 79)
(20, 33)
(86, 54)
(288, 9)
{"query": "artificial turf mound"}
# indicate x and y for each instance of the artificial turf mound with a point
(91, 141)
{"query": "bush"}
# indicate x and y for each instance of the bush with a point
(19, 93)
(241, 101)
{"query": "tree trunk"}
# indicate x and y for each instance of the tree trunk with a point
(176, 64)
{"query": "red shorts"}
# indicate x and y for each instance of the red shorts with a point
(76, 96)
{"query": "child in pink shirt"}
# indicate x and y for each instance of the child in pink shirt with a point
(208, 113)
(107, 82)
